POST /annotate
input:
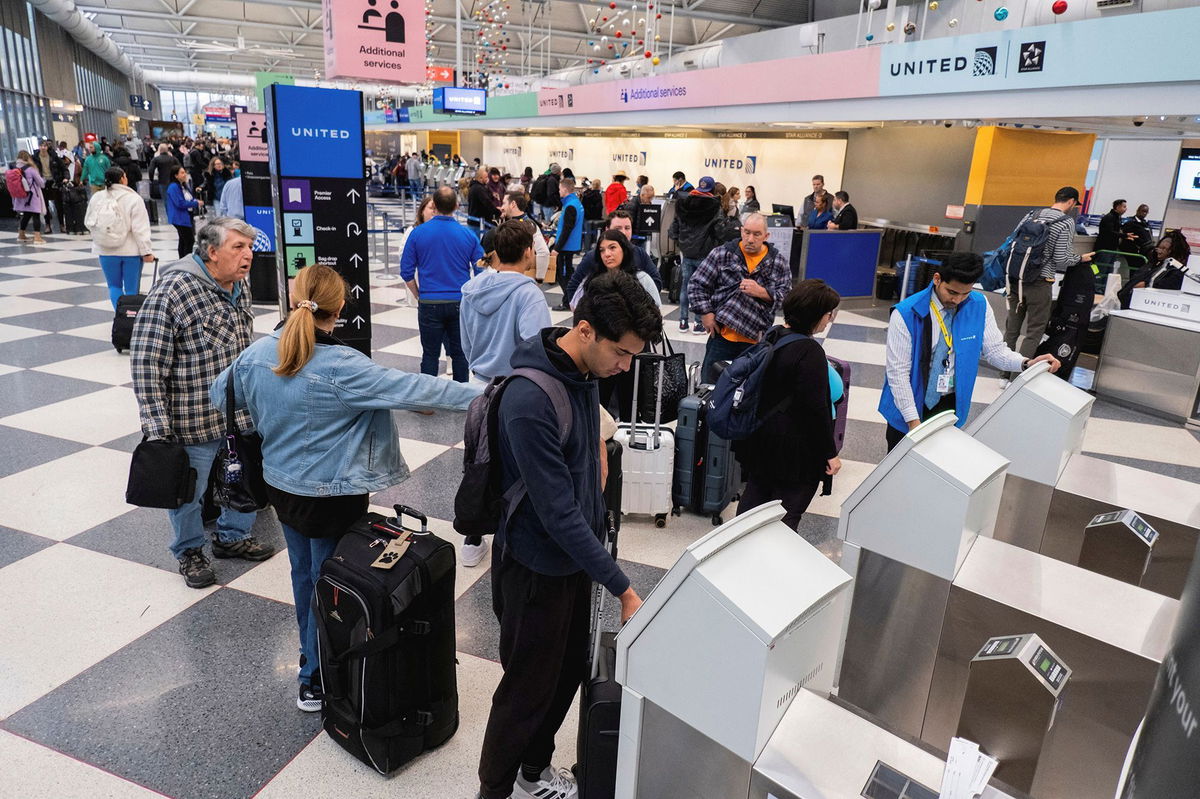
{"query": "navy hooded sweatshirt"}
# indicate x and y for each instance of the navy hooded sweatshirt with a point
(557, 529)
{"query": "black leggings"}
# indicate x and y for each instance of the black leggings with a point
(795, 497)
(31, 216)
(187, 240)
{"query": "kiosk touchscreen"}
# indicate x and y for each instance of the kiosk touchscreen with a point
(746, 618)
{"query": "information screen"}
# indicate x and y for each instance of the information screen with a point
(457, 100)
(1051, 670)
(1187, 184)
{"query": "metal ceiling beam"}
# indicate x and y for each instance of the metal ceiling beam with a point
(180, 37)
(685, 10)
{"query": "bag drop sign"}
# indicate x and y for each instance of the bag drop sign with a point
(378, 40)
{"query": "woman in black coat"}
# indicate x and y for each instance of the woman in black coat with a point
(793, 451)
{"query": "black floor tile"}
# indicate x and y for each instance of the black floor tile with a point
(78, 295)
(15, 545)
(25, 450)
(27, 389)
(60, 319)
(201, 707)
(431, 488)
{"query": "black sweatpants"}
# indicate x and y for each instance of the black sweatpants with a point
(795, 497)
(544, 632)
(187, 240)
(945, 404)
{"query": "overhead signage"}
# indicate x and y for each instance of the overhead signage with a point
(439, 74)
(217, 113)
(320, 191)
(135, 101)
(253, 147)
(377, 40)
(457, 100)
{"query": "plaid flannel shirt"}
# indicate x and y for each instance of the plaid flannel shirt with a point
(716, 288)
(186, 333)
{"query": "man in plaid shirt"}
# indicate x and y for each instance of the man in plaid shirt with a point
(737, 291)
(195, 321)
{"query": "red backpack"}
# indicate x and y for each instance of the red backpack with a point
(17, 188)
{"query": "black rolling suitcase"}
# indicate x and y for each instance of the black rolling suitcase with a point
(152, 211)
(707, 476)
(599, 705)
(384, 606)
(612, 489)
(128, 306)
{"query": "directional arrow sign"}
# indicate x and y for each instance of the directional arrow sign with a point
(353, 195)
(353, 229)
(357, 322)
(355, 259)
(356, 290)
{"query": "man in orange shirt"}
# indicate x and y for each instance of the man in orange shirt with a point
(616, 194)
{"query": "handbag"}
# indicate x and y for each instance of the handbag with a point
(160, 475)
(675, 384)
(237, 475)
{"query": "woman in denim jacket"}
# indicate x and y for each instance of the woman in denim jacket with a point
(323, 410)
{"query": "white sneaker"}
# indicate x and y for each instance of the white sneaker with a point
(553, 785)
(473, 554)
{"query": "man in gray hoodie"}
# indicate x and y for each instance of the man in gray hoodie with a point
(500, 309)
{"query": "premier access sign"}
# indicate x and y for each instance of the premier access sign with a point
(377, 40)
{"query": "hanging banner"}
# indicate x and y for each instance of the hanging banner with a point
(377, 40)
(255, 159)
(320, 195)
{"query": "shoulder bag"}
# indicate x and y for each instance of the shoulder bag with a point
(237, 475)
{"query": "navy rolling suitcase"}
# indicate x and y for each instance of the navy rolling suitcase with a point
(707, 475)
(128, 306)
(599, 704)
(612, 489)
(384, 607)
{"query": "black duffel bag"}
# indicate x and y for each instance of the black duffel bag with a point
(160, 475)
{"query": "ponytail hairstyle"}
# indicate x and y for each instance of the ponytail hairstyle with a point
(317, 295)
(112, 176)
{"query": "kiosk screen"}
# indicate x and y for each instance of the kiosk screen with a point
(1046, 665)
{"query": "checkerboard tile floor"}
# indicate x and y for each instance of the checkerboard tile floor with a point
(117, 680)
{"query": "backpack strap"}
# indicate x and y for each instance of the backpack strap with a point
(554, 389)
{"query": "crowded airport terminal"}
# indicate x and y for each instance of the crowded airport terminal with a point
(600, 399)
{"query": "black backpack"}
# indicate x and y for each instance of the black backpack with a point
(479, 505)
(721, 230)
(537, 192)
(1028, 248)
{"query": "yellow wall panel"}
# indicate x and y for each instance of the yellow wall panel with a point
(1026, 167)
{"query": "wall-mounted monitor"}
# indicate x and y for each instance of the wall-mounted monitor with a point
(1187, 184)
(457, 100)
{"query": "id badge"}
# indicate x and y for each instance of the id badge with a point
(945, 383)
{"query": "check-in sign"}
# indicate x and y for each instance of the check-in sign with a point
(378, 40)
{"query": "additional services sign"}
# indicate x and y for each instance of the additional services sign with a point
(379, 40)
(252, 137)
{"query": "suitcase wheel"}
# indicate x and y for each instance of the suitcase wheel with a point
(676, 511)
(717, 521)
(660, 520)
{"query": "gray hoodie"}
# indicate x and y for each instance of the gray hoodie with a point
(499, 310)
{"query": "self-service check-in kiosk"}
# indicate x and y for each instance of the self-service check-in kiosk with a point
(1118, 544)
(1052, 492)
(748, 616)
(926, 601)
(1013, 691)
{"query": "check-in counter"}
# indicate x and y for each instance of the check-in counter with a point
(1150, 361)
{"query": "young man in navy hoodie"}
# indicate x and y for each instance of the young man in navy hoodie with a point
(550, 549)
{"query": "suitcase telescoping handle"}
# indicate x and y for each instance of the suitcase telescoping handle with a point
(397, 521)
(610, 538)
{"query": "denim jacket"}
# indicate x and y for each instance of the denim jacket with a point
(328, 431)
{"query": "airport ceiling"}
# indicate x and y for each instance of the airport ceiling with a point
(285, 35)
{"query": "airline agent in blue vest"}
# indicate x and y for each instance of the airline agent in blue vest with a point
(568, 238)
(935, 340)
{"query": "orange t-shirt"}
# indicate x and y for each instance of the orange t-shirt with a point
(752, 262)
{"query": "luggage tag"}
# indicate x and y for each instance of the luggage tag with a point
(394, 550)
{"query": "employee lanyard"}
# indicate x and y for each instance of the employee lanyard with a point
(945, 333)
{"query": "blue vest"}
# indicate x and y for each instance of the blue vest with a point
(967, 329)
(570, 240)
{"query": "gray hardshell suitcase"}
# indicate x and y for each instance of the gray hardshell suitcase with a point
(707, 475)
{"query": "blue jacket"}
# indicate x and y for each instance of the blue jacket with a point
(444, 252)
(178, 203)
(819, 221)
(556, 530)
(570, 240)
(967, 330)
(328, 431)
(499, 311)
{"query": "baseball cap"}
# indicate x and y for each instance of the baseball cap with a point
(706, 183)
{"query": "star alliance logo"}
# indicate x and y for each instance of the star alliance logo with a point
(1033, 57)
(985, 62)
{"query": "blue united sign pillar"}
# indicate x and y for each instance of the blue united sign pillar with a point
(319, 189)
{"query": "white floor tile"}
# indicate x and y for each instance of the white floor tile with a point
(851, 318)
(19, 306)
(66, 496)
(1151, 442)
(856, 351)
(89, 419)
(844, 484)
(98, 305)
(864, 404)
(36, 285)
(271, 579)
(66, 629)
(323, 768)
(391, 292)
(418, 453)
(49, 269)
(642, 542)
(410, 346)
(108, 366)
(16, 333)
(97, 332)
(399, 317)
(5, 369)
(266, 322)
(44, 772)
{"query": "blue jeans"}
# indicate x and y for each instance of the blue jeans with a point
(688, 265)
(438, 323)
(719, 348)
(415, 187)
(306, 555)
(123, 273)
(185, 520)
